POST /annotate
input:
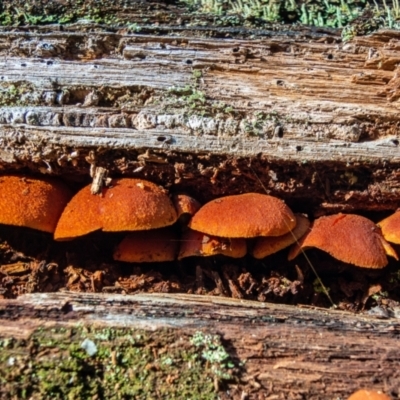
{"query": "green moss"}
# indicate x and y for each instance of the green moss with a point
(18, 94)
(355, 17)
(34, 13)
(112, 364)
(214, 353)
(327, 13)
(319, 287)
(192, 100)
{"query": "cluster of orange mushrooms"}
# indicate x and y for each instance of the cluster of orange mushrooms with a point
(223, 226)
(364, 394)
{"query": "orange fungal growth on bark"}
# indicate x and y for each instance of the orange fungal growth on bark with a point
(244, 216)
(195, 243)
(390, 227)
(349, 238)
(35, 203)
(127, 205)
(156, 245)
(368, 395)
(265, 246)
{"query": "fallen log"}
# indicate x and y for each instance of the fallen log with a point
(287, 352)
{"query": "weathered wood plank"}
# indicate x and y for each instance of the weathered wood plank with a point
(165, 140)
(316, 89)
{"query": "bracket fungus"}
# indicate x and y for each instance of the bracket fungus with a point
(35, 203)
(349, 238)
(368, 395)
(265, 246)
(390, 228)
(195, 243)
(244, 216)
(127, 205)
(155, 245)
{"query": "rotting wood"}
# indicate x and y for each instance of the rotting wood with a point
(301, 100)
(289, 351)
(224, 115)
(350, 96)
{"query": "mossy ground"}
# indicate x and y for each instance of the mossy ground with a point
(111, 363)
(354, 16)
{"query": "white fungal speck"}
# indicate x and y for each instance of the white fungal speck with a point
(89, 346)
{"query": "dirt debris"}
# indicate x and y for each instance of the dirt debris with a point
(86, 265)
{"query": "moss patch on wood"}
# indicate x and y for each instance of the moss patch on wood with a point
(110, 363)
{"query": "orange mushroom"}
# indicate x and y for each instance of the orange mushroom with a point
(368, 395)
(185, 204)
(185, 207)
(244, 216)
(195, 243)
(390, 227)
(265, 246)
(155, 245)
(80, 217)
(128, 205)
(349, 238)
(35, 203)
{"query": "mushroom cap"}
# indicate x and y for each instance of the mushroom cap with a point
(368, 395)
(349, 238)
(80, 216)
(185, 204)
(135, 204)
(390, 227)
(154, 245)
(35, 203)
(264, 246)
(195, 243)
(128, 205)
(244, 216)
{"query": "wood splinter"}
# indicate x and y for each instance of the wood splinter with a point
(98, 174)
